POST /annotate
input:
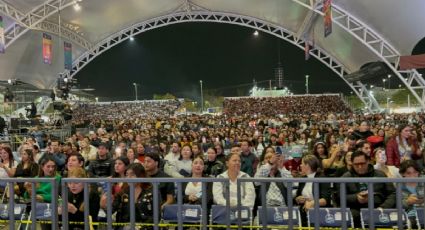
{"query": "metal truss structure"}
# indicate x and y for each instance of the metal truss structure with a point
(378, 45)
(189, 12)
(367, 97)
(36, 19)
(217, 17)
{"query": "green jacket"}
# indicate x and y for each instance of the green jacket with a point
(44, 189)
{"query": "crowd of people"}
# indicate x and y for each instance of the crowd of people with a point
(305, 143)
(270, 106)
(84, 112)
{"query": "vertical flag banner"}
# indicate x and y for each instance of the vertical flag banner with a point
(307, 50)
(68, 55)
(2, 41)
(47, 49)
(327, 10)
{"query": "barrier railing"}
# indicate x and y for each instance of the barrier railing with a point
(289, 182)
(11, 203)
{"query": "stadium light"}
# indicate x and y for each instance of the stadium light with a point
(202, 97)
(256, 33)
(135, 89)
(77, 7)
(131, 38)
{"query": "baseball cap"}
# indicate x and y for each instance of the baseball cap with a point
(296, 151)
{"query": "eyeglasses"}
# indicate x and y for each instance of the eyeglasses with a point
(359, 164)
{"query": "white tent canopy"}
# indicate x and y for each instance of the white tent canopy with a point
(398, 23)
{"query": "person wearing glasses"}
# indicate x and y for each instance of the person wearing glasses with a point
(357, 195)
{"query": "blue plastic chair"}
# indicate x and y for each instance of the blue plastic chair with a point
(219, 214)
(280, 216)
(189, 213)
(383, 218)
(330, 217)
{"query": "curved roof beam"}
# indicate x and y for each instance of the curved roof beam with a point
(36, 19)
(216, 17)
(377, 44)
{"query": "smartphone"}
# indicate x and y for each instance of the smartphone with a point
(279, 150)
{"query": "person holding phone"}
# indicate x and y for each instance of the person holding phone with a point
(413, 193)
(357, 196)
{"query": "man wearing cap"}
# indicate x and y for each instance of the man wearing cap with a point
(294, 165)
(151, 164)
(103, 166)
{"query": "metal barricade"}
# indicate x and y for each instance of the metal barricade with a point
(33, 181)
(204, 224)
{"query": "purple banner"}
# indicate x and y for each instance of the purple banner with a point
(2, 41)
(67, 48)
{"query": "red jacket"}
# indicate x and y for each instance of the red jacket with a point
(393, 155)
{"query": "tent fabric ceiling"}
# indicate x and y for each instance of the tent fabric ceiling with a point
(399, 22)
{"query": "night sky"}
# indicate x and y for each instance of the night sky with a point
(226, 58)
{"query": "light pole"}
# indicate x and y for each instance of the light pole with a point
(202, 97)
(135, 89)
(388, 103)
(306, 84)
(389, 81)
(383, 81)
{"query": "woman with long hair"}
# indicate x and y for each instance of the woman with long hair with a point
(7, 163)
(26, 168)
(212, 166)
(403, 147)
(76, 203)
(131, 155)
(44, 189)
(381, 160)
(120, 166)
(181, 167)
(193, 190)
(143, 198)
(331, 161)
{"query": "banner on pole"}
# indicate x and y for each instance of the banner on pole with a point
(327, 10)
(307, 50)
(2, 40)
(67, 55)
(47, 49)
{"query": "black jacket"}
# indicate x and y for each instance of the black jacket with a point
(384, 193)
(101, 167)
